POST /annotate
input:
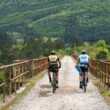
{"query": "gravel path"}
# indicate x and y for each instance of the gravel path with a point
(67, 97)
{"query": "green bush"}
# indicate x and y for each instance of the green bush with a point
(68, 51)
(102, 55)
(101, 43)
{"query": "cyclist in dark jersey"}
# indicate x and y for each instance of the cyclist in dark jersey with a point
(53, 63)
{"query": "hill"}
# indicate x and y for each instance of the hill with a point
(70, 20)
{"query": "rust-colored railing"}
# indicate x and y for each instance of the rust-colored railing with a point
(101, 69)
(2, 88)
(15, 75)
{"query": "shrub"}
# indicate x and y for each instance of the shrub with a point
(102, 55)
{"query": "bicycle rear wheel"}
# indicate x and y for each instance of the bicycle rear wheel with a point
(54, 82)
(84, 83)
(85, 88)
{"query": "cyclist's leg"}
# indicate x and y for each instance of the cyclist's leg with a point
(88, 73)
(81, 77)
(57, 77)
(81, 80)
(49, 75)
(87, 77)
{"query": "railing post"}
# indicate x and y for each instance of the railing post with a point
(109, 75)
(14, 81)
(30, 68)
(4, 92)
(8, 80)
(15, 74)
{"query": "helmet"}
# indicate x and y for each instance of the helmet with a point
(53, 52)
(84, 52)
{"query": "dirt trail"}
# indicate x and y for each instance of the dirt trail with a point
(67, 97)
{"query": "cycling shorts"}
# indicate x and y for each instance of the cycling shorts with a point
(53, 67)
(84, 67)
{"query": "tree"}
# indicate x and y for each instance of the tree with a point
(6, 43)
(71, 31)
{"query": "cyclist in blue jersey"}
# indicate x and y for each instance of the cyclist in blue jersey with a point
(83, 65)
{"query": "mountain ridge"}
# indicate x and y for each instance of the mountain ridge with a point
(55, 18)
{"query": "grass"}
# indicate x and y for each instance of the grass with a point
(105, 93)
(103, 90)
(1, 97)
(2, 76)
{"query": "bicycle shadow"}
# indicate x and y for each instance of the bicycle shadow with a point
(45, 90)
(43, 86)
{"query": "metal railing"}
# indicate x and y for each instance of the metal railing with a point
(15, 75)
(101, 69)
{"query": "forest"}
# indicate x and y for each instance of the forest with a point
(32, 28)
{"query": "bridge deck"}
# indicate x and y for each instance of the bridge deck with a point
(67, 97)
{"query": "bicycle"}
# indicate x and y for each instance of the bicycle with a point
(54, 83)
(84, 82)
(84, 77)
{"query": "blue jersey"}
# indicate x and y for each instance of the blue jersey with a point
(84, 58)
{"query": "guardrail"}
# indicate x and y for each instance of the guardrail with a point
(2, 88)
(15, 75)
(101, 69)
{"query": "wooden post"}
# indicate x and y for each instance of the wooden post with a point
(4, 93)
(105, 73)
(9, 80)
(109, 75)
(30, 68)
(14, 75)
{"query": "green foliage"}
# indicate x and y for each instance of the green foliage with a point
(7, 53)
(97, 50)
(102, 55)
(101, 43)
(25, 23)
(2, 77)
(68, 50)
(41, 47)
(73, 20)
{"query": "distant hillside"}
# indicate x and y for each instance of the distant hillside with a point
(69, 19)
